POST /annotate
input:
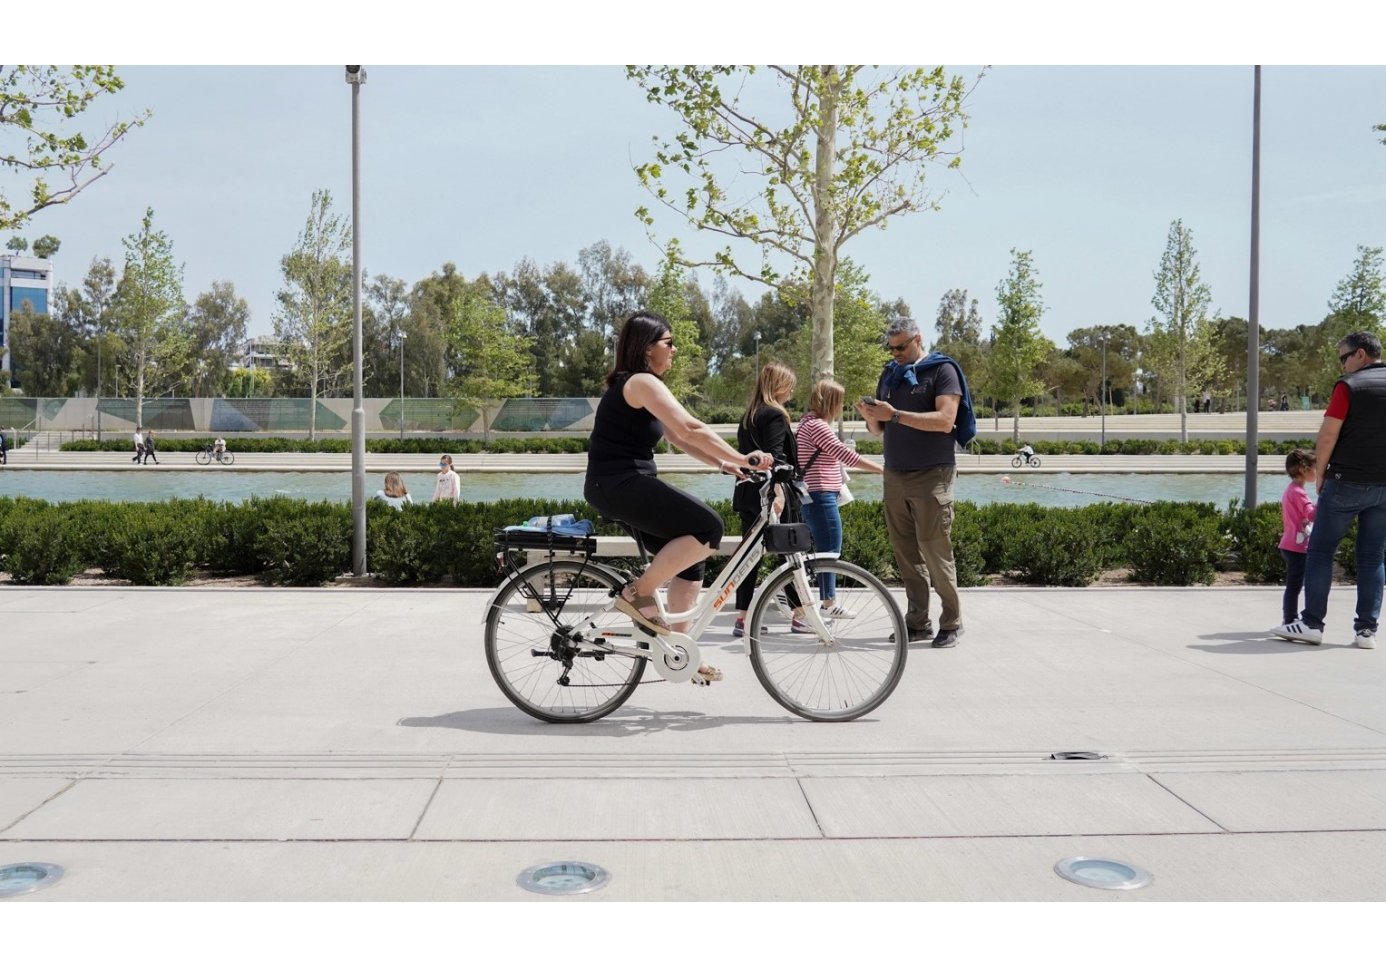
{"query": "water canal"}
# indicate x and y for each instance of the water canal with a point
(1053, 490)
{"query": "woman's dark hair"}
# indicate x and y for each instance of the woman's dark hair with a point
(1298, 459)
(641, 331)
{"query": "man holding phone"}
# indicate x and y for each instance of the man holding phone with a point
(916, 408)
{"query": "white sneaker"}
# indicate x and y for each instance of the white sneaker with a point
(1365, 639)
(837, 611)
(1299, 632)
(782, 603)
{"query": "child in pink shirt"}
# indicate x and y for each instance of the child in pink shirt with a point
(1297, 512)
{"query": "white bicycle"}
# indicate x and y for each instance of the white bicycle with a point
(560, 650)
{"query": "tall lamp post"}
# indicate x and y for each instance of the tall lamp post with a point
(1104, 389)
(1253, 325)
(401, 334)
(355, 77)
(756, 375)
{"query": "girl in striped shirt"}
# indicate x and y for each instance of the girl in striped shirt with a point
(821, 458)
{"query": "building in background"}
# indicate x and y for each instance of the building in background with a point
(22, 279)
(263, 354)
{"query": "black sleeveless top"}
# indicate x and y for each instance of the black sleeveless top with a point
(623, 437)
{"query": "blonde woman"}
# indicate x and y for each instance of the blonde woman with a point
(765, 427)
(821, 458)
(395, 494)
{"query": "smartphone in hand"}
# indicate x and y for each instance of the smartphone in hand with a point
(869, 401)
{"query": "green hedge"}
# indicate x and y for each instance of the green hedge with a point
(289, 541)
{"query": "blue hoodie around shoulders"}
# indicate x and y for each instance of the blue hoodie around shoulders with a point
(965, 427)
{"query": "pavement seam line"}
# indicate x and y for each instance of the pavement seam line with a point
(29, 813)
(1186, 803)
(424, 812)
(812, 813)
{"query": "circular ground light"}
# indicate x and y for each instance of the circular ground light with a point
(564, 877)
(18, 879)
(1106, 875)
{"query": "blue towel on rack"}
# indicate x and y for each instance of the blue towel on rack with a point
(566, 524)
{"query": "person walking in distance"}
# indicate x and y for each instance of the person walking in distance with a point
(1350, 477)
(449, 487)
(139, 445)
(922, 407)
(149, 447)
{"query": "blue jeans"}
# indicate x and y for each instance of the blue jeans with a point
(1340, 502)
(825, 524)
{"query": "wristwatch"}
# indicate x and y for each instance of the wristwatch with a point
(895, 417)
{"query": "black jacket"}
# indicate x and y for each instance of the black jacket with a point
(770, 432)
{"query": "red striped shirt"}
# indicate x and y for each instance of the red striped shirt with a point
(825, 474)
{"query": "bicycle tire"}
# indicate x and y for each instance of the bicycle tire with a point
(228, 458)
(1034, 462)
(577, 598)
(204, 457)
(1017, 461)
(842, 679)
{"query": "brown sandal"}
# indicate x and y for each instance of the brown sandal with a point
(707, 675)
(651, 623)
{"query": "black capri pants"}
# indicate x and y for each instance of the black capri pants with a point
(659, 511)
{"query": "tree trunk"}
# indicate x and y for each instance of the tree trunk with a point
(1015, 421)
(313, 406)
(824, 230)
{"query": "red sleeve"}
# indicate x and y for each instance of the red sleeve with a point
(1338, 404)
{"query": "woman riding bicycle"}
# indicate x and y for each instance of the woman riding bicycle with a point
(636, 410)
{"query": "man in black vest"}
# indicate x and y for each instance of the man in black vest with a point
(1350, 477)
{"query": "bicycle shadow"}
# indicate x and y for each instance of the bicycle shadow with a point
(627, 721)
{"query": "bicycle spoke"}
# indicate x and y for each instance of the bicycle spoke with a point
(849, 672)
(559, 612)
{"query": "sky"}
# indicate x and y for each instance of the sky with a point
(481, 166)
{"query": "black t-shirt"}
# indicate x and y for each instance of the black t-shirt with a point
(907, 449)
(623, 437)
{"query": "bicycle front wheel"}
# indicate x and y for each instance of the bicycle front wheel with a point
(204, 457)
(849, 673)
(545, 643)
(1017, 461)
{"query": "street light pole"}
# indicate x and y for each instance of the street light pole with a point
(1253, 325)
(355, 77)
(1104, 389)
(757, 373)
(402, 336)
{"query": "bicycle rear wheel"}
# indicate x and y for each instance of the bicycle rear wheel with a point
(228, 458)
(545, 643)
(204, 456)
(854, 670)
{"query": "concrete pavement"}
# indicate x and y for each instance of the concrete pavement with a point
(348, 743)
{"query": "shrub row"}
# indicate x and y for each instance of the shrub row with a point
(289, 541)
